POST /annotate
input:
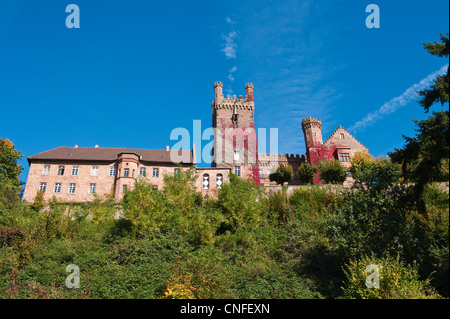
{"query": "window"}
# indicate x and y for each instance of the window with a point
(46, 170)
(112, 171)
(142, 172)
(43, 187)
(156, 172)
(342, 136)
(176, 171)
(124, 188)
(236, 155)
(57, 188)
(94, 171)
(237, 170)
(75, 170)
(219, 181)
(344, 157)
(261, 173)
(205, 181)
(126, 172)
(92, 188)
(72, 188)
(61, 170)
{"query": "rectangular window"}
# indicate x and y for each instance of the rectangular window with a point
(236, 155)
(155, 172)
(94, 171)
(261, 173)
(126, 172)
(112, 171)
(57, 188)
(142, 172)
(124, 189)
(72, 188)
(92, 188)
(46, 170)
(344, 157)
(61, 170)
(237, 170)
(43, 187)
(75, 170)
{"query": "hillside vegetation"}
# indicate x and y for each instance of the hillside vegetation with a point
(247, 243)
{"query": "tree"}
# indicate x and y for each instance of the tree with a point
(306, 173)
(9, 168)
(375, 174)
(332, 172)
(439, 90)
(424, 158)
(283, 174)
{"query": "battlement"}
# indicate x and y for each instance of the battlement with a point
(229, 102)
(264, 157)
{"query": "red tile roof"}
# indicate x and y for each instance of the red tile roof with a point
(107, 154)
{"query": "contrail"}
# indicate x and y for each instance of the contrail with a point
(389, 107)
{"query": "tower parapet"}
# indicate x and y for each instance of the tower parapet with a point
(312, 130)
(233, 102)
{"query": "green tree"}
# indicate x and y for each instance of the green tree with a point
(332, 172)
(306, 173)
(9, 168)
(283, 174)
(439, 90)
(425, 157)
(372, 173)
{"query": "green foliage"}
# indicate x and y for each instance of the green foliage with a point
(306, 173)
(283, 174)
(250, 242)
(332, 172)
(439, 90)
(374, 173)
(241, 203)
(9, 169)
(425, 157)
(396, 280)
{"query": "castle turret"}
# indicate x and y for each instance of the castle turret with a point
(218, 94)
(249, 92)
(312, 129)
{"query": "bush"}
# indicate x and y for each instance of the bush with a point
(283, 174)
(332, 172)
(396, 280)
(306, 173)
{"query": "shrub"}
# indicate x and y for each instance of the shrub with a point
(396, 280)
(306, 173)
(283, 174)
(332, 172)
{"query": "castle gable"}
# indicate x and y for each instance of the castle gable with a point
(342, 138)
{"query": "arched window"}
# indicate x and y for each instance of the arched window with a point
(205, 181)
(156, 172)
(219, 181)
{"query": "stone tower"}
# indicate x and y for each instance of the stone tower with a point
(312, 130)
(233, 121)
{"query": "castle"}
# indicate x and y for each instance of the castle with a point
(78, 174)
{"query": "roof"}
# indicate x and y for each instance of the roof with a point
(107, 154)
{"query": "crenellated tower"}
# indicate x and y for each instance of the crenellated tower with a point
(233, 121)
(312, 130)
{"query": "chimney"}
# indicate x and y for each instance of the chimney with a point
(167, 148)
(76, 146)
(96, 146)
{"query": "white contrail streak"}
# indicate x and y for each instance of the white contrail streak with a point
(389, 107)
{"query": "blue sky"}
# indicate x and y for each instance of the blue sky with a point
(136, 70)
